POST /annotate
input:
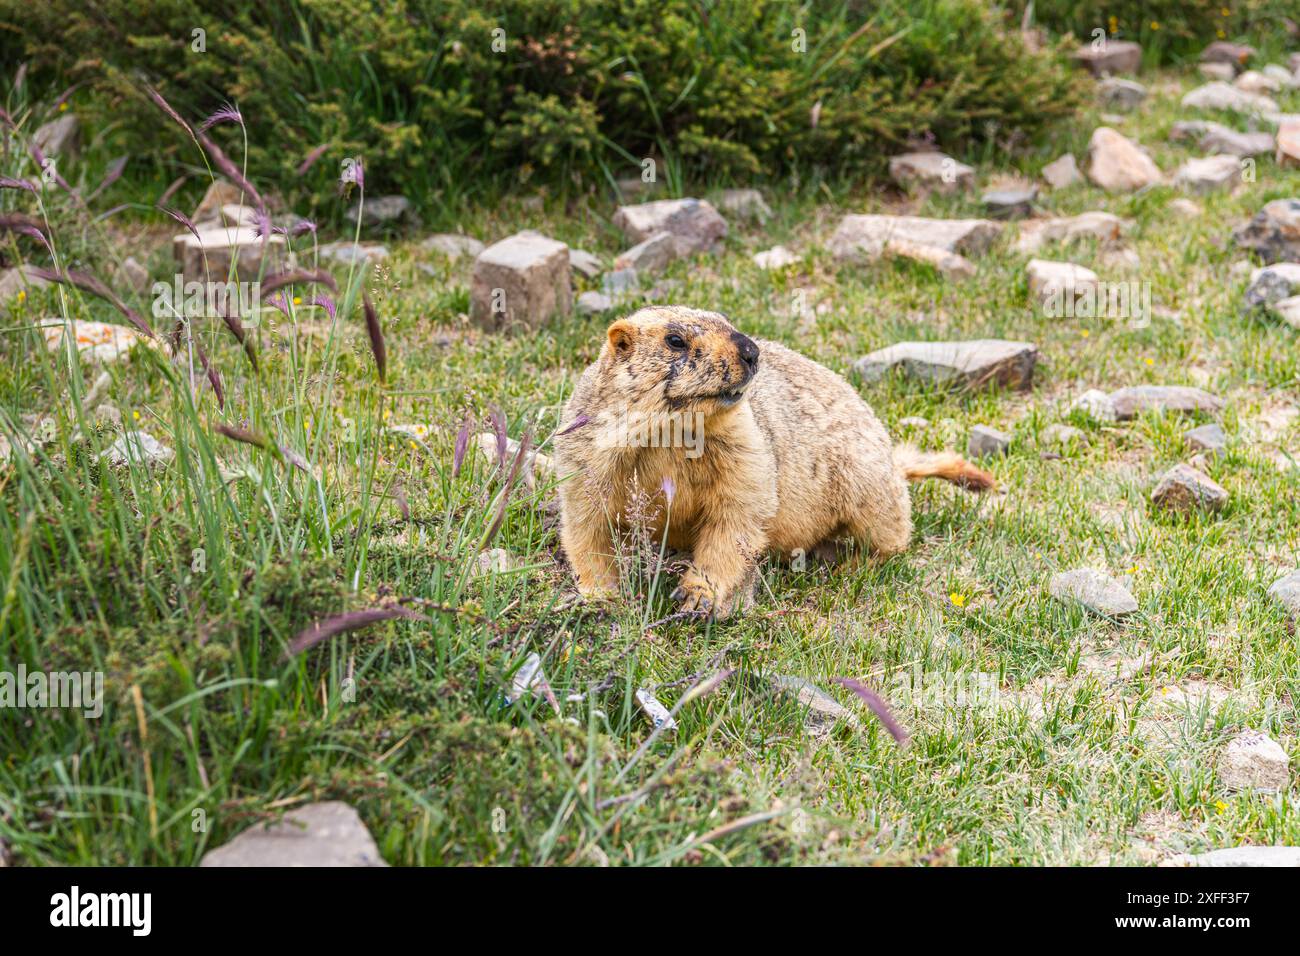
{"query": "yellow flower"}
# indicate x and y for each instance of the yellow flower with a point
(1155, 25)
(958, 600)
(297, 300)
(22, 295)
(1084, 333)
(1149, 361)
(1224, 12)
(62, 107)
(136, 416)
(387, 413)
(1220, 34)
(413, 446)
(1220, 806)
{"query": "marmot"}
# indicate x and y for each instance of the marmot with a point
(745, 445)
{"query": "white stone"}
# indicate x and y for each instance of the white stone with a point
(59, 137)
(137, 448)
(1117, 164)
(1035, 233)
(520, 282)
(695, 225)
(1062, 172)
(1208, 174)
(1253, 81)
(585, 263)
(1286, 591)
(96, 341)
(1253, 761)
(936, 171)
(1224, 96)
(1288, 143)
(973, 363)
(862, 238)
(649, 256)
(949, 263)
(1095, 590)
(778, 257)
(210, 254)
(453, 245)
(745, 204)
(318, 834)
(1048, 279)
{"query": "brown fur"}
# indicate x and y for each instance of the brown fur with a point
(794, 461)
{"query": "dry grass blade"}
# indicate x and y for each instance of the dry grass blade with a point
(376, 335)
(877, 705)
(329, 627)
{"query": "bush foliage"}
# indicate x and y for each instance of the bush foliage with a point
(437, 94)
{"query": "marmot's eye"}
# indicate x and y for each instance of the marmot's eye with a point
(676, 342)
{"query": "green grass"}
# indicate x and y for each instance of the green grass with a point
(407, 720)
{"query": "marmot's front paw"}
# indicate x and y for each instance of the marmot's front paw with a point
(695, 593)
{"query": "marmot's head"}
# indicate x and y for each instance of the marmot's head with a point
(670, 357)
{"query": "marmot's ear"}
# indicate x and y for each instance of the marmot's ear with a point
(621, 335)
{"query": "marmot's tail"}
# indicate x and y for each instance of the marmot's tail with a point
(947, 465)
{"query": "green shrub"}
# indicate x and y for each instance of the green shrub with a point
(1167, 27)
(582, 89)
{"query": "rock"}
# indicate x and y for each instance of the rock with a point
(986, 442)
(1061, 434)
(1253, 761)
(1009, 203)
(1274, 232)
(318, 834)
(1185, 208)
(219, 194)
(948, 263)
(96, 341)
(1095, 590)
(1224, 96)
(1120, 94)
(620, 282)
(1206, 175)
(695, 225)
(1288, 143)
(1267, 286)
(1288, 310)
(744, 204)
(1286, 591)
(18, 279)
(137, 448)
(650, 256)
(1058, 280)
(1187, 130)
(594, 303)
(1097, 405)
(931, 171)
(973, 364)
(59, 137)
(1233, 54)
(585, 263)
(1246, 856)
(495, 561)
(1113, 56)
(1253, 81)
(1036, 233)
(348, 252)
(135, 275)
(862, 238)
(1062, 172)
(630, 187)
(382, 211)
(211, 252)
(1180, 399)
(1208, 438)
(1285, 79)
(1183, 488)
(452, 245)
(1220, 139)
(1116, 164)
(1217, 71)
(778, 257)
(520, 282)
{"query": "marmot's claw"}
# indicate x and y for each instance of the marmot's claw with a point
(696, 597)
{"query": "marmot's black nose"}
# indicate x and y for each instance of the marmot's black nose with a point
(748, 351)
